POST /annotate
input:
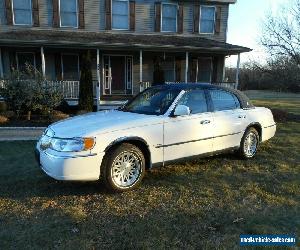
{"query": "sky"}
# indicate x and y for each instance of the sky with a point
(244, 27)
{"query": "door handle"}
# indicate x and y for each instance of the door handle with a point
(205, 122)
(242, 116)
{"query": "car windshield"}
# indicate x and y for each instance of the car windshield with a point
(153, 101)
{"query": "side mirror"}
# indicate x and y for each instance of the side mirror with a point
(182, 110)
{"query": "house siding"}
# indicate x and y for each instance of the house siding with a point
(144, 15)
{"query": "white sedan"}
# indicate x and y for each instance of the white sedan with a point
(161, 125)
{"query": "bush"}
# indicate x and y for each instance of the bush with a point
(86, 99)
(280, 115)
(28, 91)
(3, 119)
(9, 114)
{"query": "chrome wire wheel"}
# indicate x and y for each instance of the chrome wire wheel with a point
(250, 144)
(126, 169)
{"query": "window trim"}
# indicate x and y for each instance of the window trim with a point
(111, 16)
(62, 65)
(77, 16)
(25, 52)
(161, 17)
(215, 9)
(13, 15)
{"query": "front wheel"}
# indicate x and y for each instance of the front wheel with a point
(123, 168)
(249, 143)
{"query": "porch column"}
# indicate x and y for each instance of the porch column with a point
(141, 66)
(1, 65)
(237, 71)
(186, 66)
(43, 62)
(98, 81)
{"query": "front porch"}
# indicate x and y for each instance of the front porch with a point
(121, 70)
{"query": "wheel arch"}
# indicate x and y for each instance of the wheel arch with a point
(258, 128)
(136, 141)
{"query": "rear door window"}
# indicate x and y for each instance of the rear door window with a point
(223, 100)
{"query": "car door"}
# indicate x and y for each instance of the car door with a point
(229, 119)
(192, 134)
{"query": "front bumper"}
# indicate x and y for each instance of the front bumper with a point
(70, 168)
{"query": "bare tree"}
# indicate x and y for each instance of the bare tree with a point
(281, 32)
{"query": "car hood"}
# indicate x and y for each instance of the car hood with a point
(100, 122)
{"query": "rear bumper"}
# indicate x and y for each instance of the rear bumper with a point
(66, 168)
(268, 132)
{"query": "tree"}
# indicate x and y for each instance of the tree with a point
(281, 32)
(86, 99)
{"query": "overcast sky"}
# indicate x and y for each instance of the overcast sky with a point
(244, 26)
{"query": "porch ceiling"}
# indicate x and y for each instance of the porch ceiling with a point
(112, 40)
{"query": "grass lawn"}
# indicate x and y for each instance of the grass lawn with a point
(204, 204)
(287, 101)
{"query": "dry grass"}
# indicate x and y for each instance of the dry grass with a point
(204, 204)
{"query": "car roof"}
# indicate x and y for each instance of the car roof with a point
(244, 100)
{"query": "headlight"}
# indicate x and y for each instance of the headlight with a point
(72, 145)
(67, 145)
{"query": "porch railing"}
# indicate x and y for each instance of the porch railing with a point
(70, 89)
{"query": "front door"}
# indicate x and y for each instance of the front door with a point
(117, 75)
(190, 135)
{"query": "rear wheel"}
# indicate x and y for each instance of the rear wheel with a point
(123, 168)
(249, 143)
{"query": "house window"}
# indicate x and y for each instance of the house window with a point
(204, 70)
(70, 67)
(207, 19)
(168, 66)
(22, 12)
(24, 60)
(120, 13)
(68, 13)
(169, 18)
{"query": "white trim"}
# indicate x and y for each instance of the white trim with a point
(17, 59)
(186, 66)
(128, 14)
(141, 66)
(13, 15)
(77, 16)
(161, 18)
(237, 71)
(43, 62)
(98, 88)
(62, 65)
(1, 65)
(207, 6)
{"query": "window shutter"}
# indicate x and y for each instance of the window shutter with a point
(218, 19)
(55, 14)
(196, 18)
(81, 14)
(35, 13)
(9, 16)
(108, 14)
(180, 18)
(132, 15)
(157, 16)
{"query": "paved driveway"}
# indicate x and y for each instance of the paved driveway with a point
(20, 134)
